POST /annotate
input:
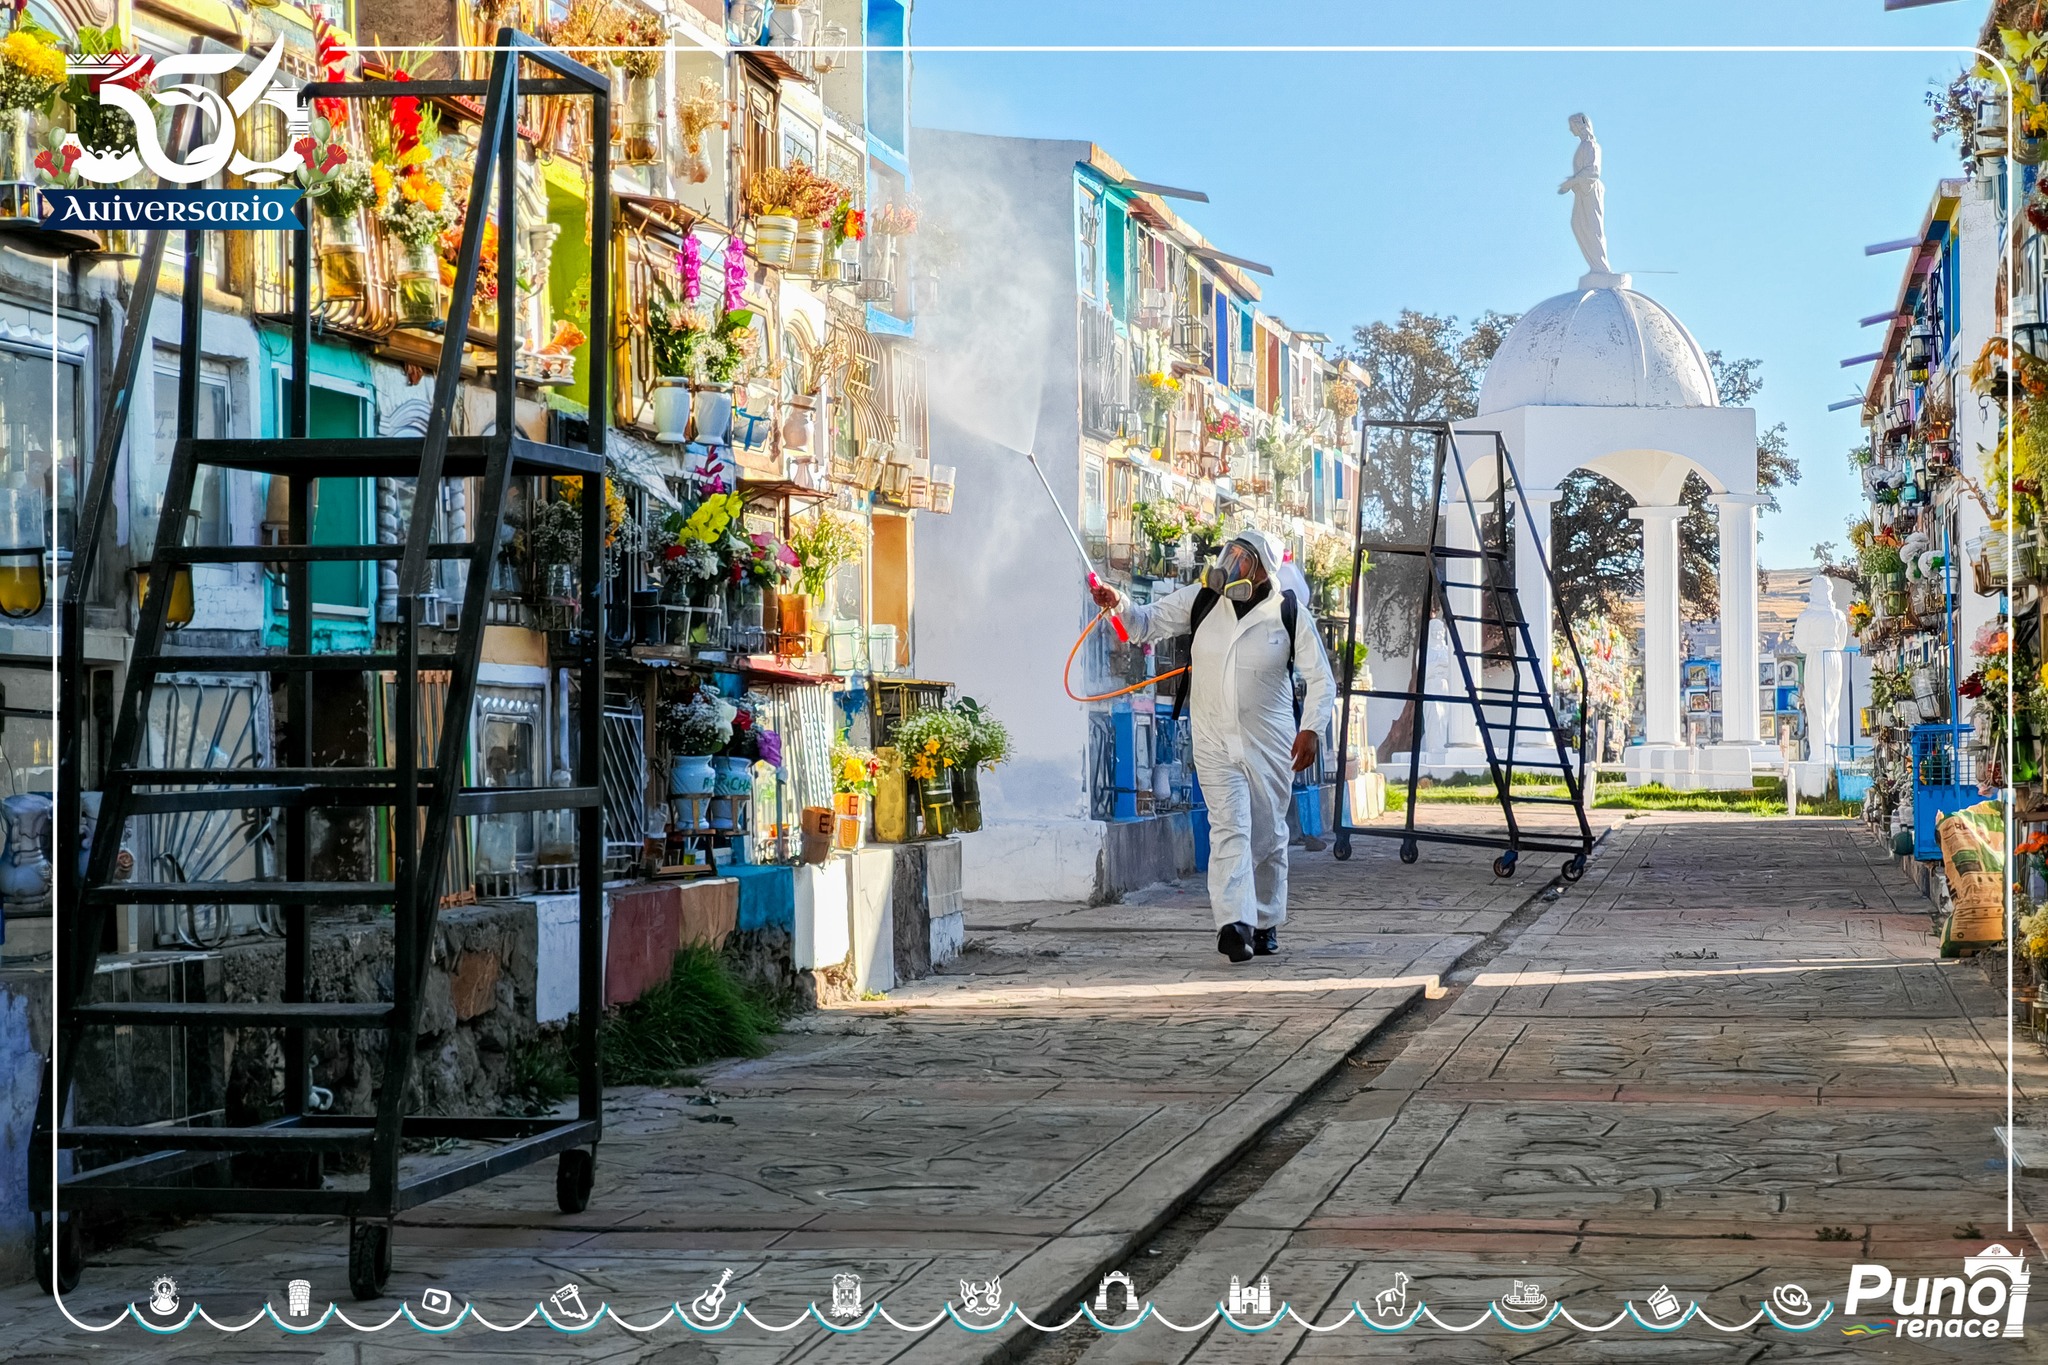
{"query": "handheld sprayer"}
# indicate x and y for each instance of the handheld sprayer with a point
(1122, 635)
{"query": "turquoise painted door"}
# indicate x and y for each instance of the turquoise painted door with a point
(342, 514)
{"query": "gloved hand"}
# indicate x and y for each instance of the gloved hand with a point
(1106, 597)
(1305, 746)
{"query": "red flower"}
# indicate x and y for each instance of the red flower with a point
(46, 162)
(134, 74)
(672, 552)
(335, 156)
(305, 147)
(1972, 686)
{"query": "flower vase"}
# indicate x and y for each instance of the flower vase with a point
(639, 123)
(774, 236)
(793, 625)
(344, 272)
(671, 409)
(17, 173)
(799, 421)
(419, 285)
(692, 775)
(786, 24)
(714, 414)
(849, 820)
(807, 255)
(935, 806)
(967, 798)
(892, 798)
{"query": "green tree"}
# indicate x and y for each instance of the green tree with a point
(1424, 367)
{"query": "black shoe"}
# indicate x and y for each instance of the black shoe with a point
(1266, 942)
(1234, 941)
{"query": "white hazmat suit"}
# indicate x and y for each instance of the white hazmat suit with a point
(1241, 709)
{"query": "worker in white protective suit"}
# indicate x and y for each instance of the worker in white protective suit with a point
(1248, 740)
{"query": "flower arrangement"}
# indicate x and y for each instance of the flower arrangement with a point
(848, 223)
(1226, 427)
(854, 770)
(731, 344)
(698, 111)
(1341, 398)
(337, 185)
(393, 128)
(415, 210)
(795, 190)
(675, 334)
(933, 742)
(987, 740)
(750, 739)
(1162, 384)
(100, 127)
(1287, 452)
(642, 35)
(1164, 523)
(701, 725)
(1860, 614)
(898, 218)
(1326, 563)
(32, 71)
(708, 521)
(823, 544)
(765, 560)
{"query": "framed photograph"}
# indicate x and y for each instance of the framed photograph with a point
(1696, 675)
(1788, 673)
(1767, 701)
(1696, 703)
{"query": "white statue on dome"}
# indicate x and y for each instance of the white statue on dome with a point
(1589, 203)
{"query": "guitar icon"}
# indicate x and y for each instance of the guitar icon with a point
(705, 1306)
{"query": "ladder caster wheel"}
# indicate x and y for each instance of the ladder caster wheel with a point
(1504, 865)
(1340, 848)
(575, 1174)
(1575, 869)
(369, 1258)
(1410, 851)
(60, 1254)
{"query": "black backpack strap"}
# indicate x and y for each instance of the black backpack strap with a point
(1205, 602)
(1290, 612)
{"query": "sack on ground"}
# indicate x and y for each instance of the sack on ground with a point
(1973, 854)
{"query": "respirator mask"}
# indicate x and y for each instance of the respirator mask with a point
(1236, 574)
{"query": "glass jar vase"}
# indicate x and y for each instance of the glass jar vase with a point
(344, 270)
(419, 285)
(639, 124)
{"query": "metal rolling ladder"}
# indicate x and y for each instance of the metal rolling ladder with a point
(195, 1169)
(1475, 586)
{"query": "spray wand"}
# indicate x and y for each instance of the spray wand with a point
(1123, 636)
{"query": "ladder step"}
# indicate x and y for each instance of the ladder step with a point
(1541, 800)
(313, 554)
(241, 893)
(272, 1139)
(507, 800)
(281, 777)
(375, 662)
(242, 1014)
(260, 798)
(391, 457)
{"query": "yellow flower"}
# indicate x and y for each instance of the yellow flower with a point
(33, 57)
(380, 178)
(931, 746)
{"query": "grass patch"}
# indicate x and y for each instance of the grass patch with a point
(1766, 798)
(543, 1075)
(699, 1014)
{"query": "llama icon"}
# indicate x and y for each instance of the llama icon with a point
(1247, 1301)
(1392, 1301)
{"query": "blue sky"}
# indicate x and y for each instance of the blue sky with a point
(1377, 182)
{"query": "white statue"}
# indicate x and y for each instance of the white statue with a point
(1819, 633)
(1589, 204)
(1435, 734)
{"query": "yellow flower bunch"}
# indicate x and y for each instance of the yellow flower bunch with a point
(711, 519)
(35, 59)
(1159, 381)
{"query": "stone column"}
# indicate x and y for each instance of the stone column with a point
(1532, 585)
(1461, 534)
(1740, 721)
(1656, 759)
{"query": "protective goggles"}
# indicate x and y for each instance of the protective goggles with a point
(1236, 573)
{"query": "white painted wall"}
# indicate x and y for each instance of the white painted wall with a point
(1978, 237)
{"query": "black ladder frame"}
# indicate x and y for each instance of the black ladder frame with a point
(426, 798)
(1493, 575)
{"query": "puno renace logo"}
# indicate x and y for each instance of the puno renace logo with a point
(1989, 1299)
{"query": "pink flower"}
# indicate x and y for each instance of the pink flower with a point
(735, 275)
(690, 265)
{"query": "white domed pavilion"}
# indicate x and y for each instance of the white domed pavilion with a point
(1608, 379)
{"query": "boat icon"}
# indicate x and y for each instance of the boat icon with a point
(1526, 1297)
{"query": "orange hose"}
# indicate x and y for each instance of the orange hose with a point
(1067, 675)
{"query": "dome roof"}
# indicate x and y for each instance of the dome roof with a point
(1607, 348)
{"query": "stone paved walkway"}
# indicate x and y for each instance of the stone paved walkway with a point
(1033, 1115)
(1728, 1060)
